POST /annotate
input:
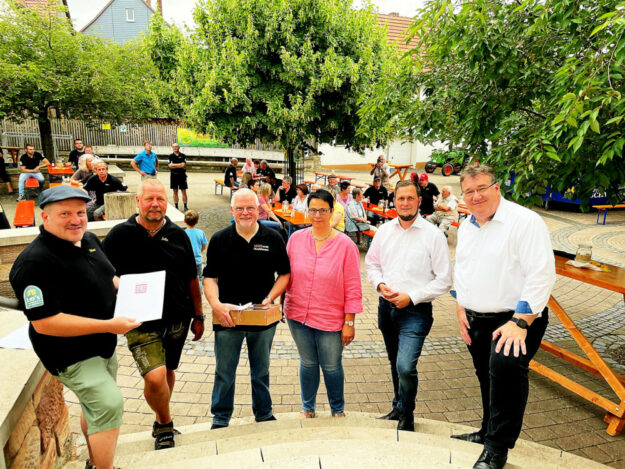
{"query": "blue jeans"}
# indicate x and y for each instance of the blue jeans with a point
(22, 180)
(319, 348)
(404, 331)
(228, 344)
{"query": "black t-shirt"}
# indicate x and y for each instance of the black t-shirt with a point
(290, 195)
(31, 163)
(268, 173)
(74, 156)
(132, 250)
(110, 184)
(177, 159)
(40, 277)
(231, 172)
(245, 271)
(375, 195)
(427, 198)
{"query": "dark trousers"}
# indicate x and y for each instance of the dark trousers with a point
(504, 381)
(404, 331)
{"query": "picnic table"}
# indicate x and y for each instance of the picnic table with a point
(13, 151)
(613, 280)
(298, 219)
(387, 214)
(398, 169)
(325, 176)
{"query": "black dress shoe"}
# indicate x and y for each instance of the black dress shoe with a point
(491, 460)
(392, 415)
(215, 426)
(474, 437)
(406, 423)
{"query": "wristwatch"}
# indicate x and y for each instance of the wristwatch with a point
(522, 323)
(201, 317)
(349, 323)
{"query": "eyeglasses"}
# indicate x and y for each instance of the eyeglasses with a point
(479, 190)
(319, 211)
(243, 209)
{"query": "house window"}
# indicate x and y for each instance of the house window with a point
(130, 15)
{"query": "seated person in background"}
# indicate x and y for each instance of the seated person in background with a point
(257, 168)
(338, 215)
(333, 184)
(245, 179)
(88, 151)
(375, 194)
(429, 193)
(248, 167)
(356, 219)
(230, 176)
(269, 175)
(265, 212)
(445, 210)
(300, 202)
(101, 183)
(30, 166)
(85, 168)
(287, 191)
(343, 197)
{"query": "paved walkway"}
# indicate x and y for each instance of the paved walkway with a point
(448, 389)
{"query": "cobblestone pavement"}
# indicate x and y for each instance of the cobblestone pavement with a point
(448, 389)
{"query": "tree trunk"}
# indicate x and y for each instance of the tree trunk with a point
(290, 154)
(45, 132)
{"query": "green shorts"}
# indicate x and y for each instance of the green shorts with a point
(153, 347)
(93, 382)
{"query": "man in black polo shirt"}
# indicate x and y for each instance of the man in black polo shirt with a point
(150, 242)
(375, 194)
(270, 176)
(429, 193)
(30, 165)
(261, 252)
(178, 174)
(76, 153)
(73, 333)
(230, 176)
(99, 184)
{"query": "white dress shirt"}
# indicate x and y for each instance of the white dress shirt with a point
(413, 261)
(507, 261)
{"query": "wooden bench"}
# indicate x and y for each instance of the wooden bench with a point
(24, 214)
(368, 237)
(31, 184)
(604, 209)
(219, 183)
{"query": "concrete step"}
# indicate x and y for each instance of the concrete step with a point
(359, 440)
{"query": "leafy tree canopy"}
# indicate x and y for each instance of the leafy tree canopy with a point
(533, 87)
(47, 65)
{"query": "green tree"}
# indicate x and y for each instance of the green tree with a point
(534, 87)
(47, 66)
(286, 71)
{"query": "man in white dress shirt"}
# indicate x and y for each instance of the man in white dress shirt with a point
(504, 273)
(408, 264)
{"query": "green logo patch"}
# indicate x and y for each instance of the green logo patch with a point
(33, 297)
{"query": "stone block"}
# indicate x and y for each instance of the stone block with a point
(50, 410)
(45, 379)
(62, 432)
(24, 424)
(29, 455)
(49, 458)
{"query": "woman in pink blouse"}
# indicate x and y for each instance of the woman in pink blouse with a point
(322, 298)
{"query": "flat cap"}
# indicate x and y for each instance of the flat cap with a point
(62, 192)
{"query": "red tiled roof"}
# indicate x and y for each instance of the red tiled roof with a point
(45, 6)
(397, 26)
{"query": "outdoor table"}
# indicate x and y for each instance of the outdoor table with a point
(398, 169)
(299, 219)
(613, 280)
(389, 213)
(325, 176)
(56, 173)
(14, 151)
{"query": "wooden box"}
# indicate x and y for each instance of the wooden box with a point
(257, 316)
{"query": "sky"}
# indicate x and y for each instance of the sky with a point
(180, 13)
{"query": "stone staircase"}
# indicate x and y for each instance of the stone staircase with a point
(357, 441)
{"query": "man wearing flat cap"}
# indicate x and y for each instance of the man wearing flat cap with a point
(74, 332)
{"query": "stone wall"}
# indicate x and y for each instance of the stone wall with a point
(42, 437)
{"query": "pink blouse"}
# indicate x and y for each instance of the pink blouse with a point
(324, 286)
(262, 215)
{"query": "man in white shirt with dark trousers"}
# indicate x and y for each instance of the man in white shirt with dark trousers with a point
(504, 274)
(408, 264)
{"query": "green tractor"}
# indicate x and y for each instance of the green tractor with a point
(450, 162)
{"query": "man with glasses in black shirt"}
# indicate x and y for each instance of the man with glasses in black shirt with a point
(242, 263)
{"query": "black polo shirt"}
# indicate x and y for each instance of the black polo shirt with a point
(132, 250)
(40, 277)
(231, 172)
(74, 156)
(427, 198)
(290, 195)
(31, 163)
(375, 195)
(267, 172)
(110, 184)
(246, 272)
(177, 159)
